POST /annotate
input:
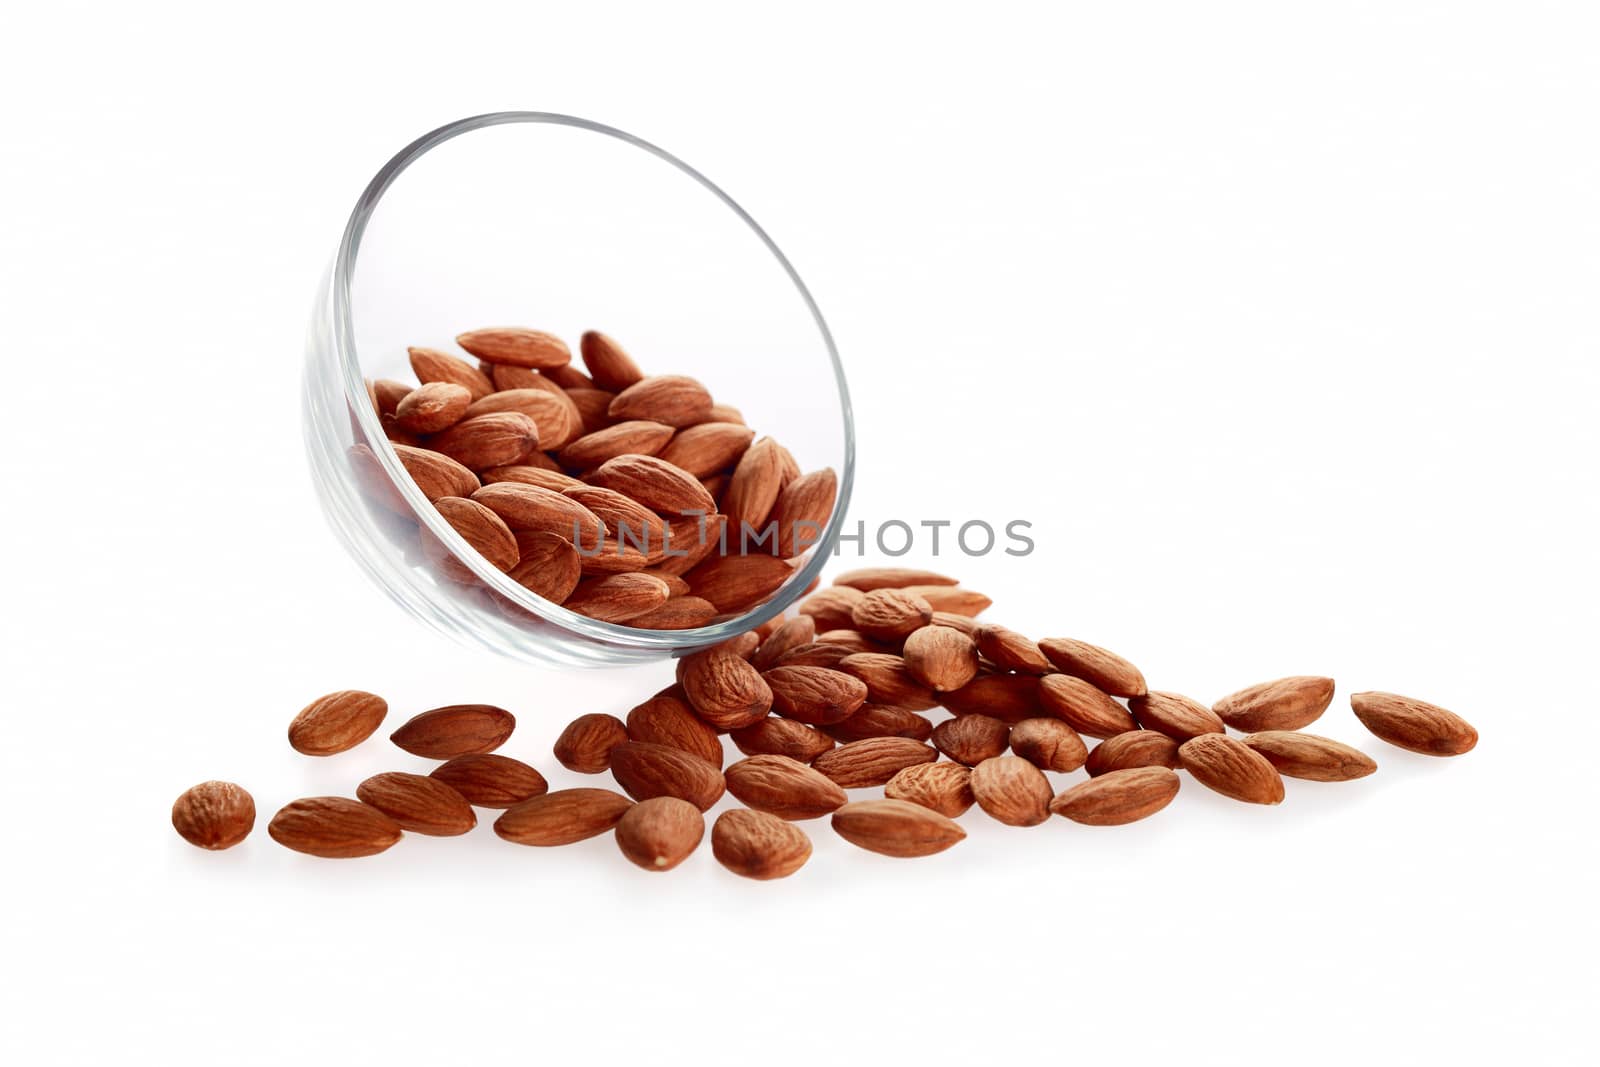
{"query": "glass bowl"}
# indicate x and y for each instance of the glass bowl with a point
(563, 225)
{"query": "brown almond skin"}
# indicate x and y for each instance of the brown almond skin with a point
(678, 613)
(1118, 797)
(943, 787)
(1231, 768)
(971, 739)
(783, 787)
(1307, 756)
(214, 815)
(482, 529)
(420, 804)
(592, 405)
(888, 681)
(433, 407)
(1049, 744)
(618, 597)
(656, 484)
(831, 608)
(754, 486)
(660, 833)
(1083, 707)
(674, 399)
(1415, 725)
(817, 654)
(533, 507)
(754, 844)
(636, 438)
(1285, 704)
(707, 448)
(516, 347)
(880, 720)
(333, 828)
(802, 511)
(644, 771)
(815, 695)
(495, 440)
(489, 780)
(562, 817)
(737, 583)
(1009, 650)
(586, 743)
(873, 761)
(788, 634)
(1135, 748)
(1012, 697)
(667, 719)
(867, 579)
(951, 598)
(337, 722)
(723, 688)
(436, 475)
(610, 366)
(549, 565)
(431, 365)
(896, 828)
(1175, 715)
(781, 737)
(941, 658)
(455, 730)
(1012, 790)
(1103, 669)
(390, 393)
(890, 615)
(552, 412)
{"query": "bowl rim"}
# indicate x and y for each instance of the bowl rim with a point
(666, 641)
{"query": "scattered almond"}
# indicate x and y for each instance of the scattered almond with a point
(645, 770)
(420, 804)
(1232, 768)
(781, 737)
(586, 743)
(1286, 704)
(873, 761)
(1135, 748)
(1012, 791)
(333, 828)
(1307, 756)
(1104, 670)
(1049, 744)
(895, 828)
(214, 815)
(972, 738)
(784, 787)
(562, 817)
(1174, 715)
(815, 695)
(336, 722)
(757, 845)
(943, 787)
(1118, 797)
(489, 780)
(660, 833)
(1414, 724)
(1083, 707)
(455, 730)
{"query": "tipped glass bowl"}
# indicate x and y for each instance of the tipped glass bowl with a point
(548, 221)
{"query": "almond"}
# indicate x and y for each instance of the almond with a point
(888, 681)
(816, 654)
(1012, 791)
(567, 376)
(431, 365)
(881, 720)
(1106, 671)
(754, 487)
(1286, 704)
(489, 780)
(611, 367)
(482, 529)
(507, 378)
(1009, 650)
(802, 511)
(1118, 797)
(562, 817)
(1012, 697)
(529, 507)
(645, 770)
(1414, 724)
(867, 579)
(553, 413)
(1232, 768)
(678, 613)
(586, 743)
(656, 484)
(1307, 756)
(726, 413)
(781, 737)
(831, 608)
(890, 615)
(636, 438)
(707, 448)
(690, 539)
(673, 399)
(660, 833)
(333, 828)
(667, 719)
(756, 845)
(549, 566)
(592, 405)
(516, 346)
(628, 523)
(789, 634)
(529, 474)
(723, 688)
(951, 598)
(214, 815)
(1083, 707)
(433, 407)
(943, 787)
(1176, 716)
(971, 739)
(738, 583)
(389, 393)
(1135, 748)
(455, 730)
(617, 597)
(895, 828)
(872, 761)
(496, 440)
(785, 787)
(941, 658)
(815, 695)
(336, 722)
(965, 623)
(675, 584)
(435, 474)
(420, 804)
(1048, 744)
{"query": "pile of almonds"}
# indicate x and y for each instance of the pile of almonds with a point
(619, 496)
(831, 699)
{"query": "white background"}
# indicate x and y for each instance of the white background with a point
(1277, 320)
